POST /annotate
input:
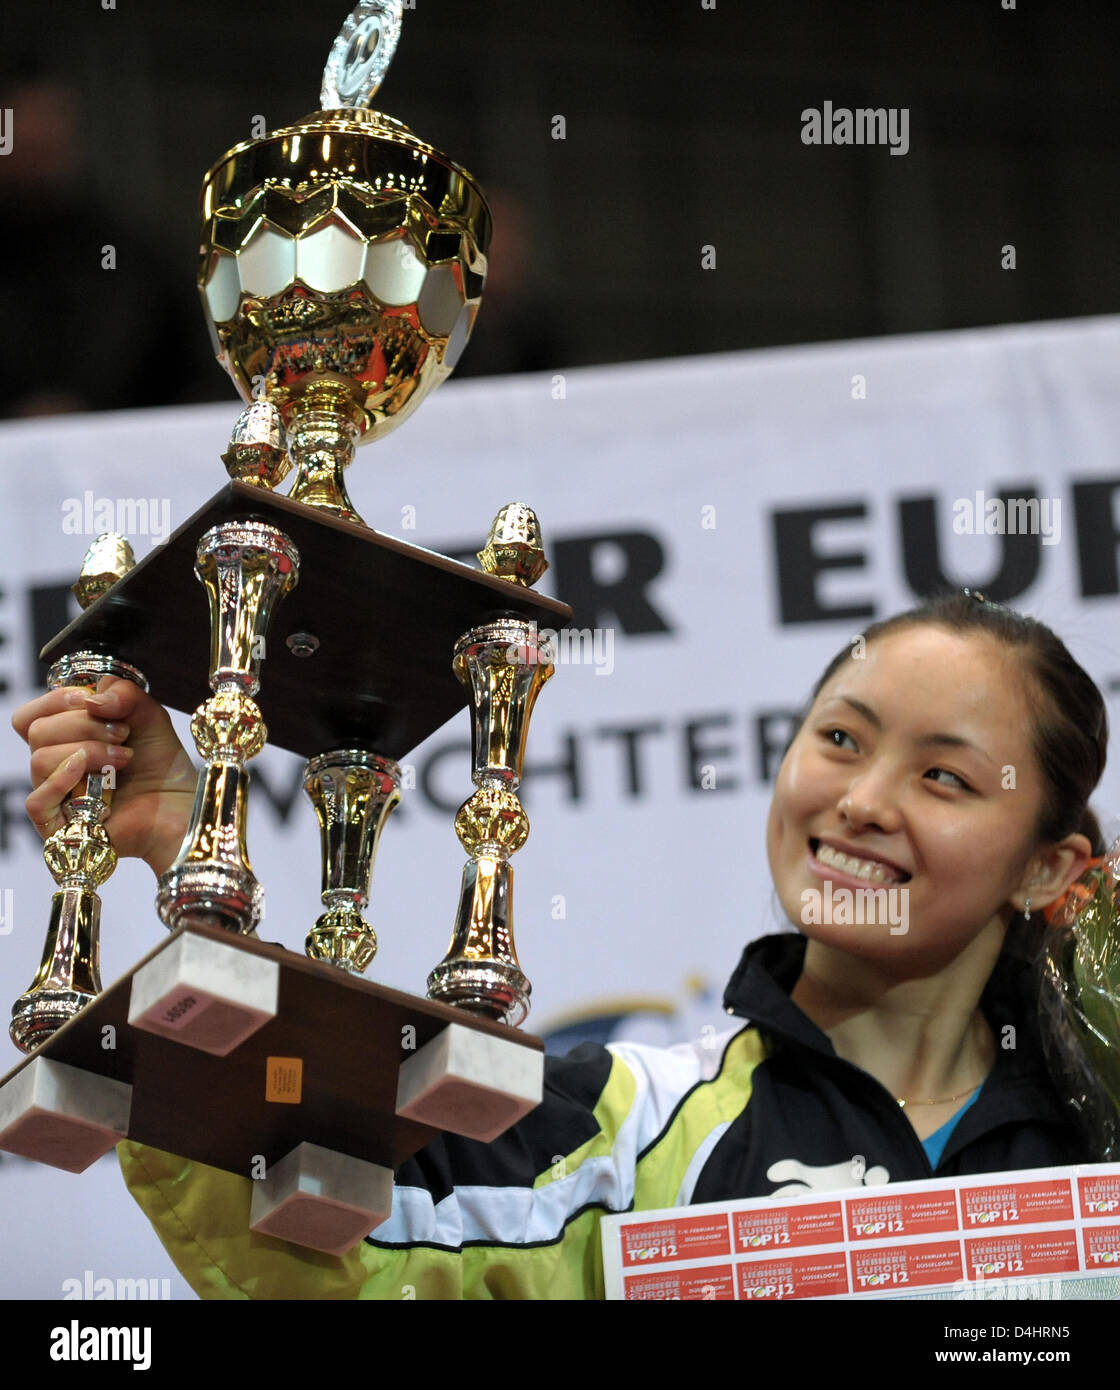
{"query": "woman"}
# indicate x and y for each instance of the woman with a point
(939, 779)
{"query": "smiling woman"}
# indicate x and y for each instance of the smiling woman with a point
(949, 754)
(941, 772)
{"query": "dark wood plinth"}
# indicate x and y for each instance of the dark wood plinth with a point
(386, 615)
(347, 1032)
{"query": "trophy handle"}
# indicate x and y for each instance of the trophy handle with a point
(80, 858)
(503, 666)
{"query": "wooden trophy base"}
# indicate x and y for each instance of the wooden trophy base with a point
(251, 1058)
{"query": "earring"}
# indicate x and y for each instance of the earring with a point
(1027, 911)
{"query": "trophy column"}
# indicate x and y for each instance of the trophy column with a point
(322, 433)
(246, 568)
(503, 667)
(353, 793)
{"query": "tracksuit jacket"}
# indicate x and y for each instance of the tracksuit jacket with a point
(764, 1108)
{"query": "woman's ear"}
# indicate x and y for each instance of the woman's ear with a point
(1050, 872)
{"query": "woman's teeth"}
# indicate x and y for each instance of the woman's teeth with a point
(858, 868)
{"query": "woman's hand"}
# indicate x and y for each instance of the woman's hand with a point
(73, 731)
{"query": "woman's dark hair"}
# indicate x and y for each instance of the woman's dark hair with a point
(1070, 735)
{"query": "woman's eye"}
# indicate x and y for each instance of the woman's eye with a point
(836, 737)
(944, 771)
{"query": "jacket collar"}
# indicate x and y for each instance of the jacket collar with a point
(759, 990)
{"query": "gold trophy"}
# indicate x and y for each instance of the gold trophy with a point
(342, 268)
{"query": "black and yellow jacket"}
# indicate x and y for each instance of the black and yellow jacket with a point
(763, 1108)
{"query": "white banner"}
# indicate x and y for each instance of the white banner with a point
(726, 524)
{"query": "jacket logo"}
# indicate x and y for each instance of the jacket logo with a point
(803, 1177)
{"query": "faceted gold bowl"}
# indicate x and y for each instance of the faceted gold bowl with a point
(342, 250)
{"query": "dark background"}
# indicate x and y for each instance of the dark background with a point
(683, 130)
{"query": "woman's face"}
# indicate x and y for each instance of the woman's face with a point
(914, 773)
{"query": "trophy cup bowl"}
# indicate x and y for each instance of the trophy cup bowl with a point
(342, 267)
